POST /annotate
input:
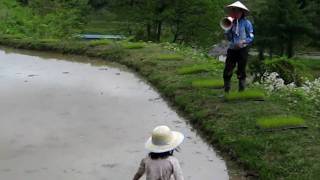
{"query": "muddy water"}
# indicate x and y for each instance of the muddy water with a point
(67, 120)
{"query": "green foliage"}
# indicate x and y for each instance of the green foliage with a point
(256, 67)
(311, 65)
(187, 51)
(42, 18)
(279, 122)
(245, 95)
(99, 43)
(195, 22)
(198, 68)
(281, 25)
(169, 57)
(102, 21)
(132, 45)
(98, 3)
(288, 70)
(183, 21)
(207, 83)
(114, 52)
(314, 12)
(23, 2)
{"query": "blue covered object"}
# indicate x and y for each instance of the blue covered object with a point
(98, 36)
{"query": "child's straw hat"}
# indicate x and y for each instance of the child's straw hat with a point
(163, 140)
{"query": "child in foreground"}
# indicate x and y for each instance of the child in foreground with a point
(160, 163)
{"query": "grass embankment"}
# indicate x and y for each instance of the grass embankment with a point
(230, 125)
(312, 65)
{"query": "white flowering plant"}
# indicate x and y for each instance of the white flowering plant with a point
(305, 97)
(194, 53)
(288, 69)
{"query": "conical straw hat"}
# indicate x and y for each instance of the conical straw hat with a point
(238, 4)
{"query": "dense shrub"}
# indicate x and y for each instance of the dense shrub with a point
(42, 18)
(287, 69)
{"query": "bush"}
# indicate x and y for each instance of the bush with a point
(132, 45)
(256, 67)
(99, 42)
(42, 19)
(287, 69)
(113, 53)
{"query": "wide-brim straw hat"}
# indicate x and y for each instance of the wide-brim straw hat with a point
(239, 5)
(163, 140)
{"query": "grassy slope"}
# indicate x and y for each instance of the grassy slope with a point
(104, 22)
(230, 126)
(313, 65)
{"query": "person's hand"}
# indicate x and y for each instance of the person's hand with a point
(240, 44)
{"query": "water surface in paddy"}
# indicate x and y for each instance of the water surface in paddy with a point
(65, 119)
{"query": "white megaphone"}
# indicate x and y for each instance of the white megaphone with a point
(226, 23)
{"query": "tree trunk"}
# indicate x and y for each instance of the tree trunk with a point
(129, 28)
(261, 54)
(161, 6)
(290, 52)
(281, 50)
(176, 33)
(149, 32)
(270, 52)
(159, 28)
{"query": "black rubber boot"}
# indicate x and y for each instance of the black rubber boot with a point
(227, 86)
(242, 85)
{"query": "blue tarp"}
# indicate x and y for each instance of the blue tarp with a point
(98, 36)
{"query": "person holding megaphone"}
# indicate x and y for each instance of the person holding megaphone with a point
(239, 33)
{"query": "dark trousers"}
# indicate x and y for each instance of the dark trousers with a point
(235, 58)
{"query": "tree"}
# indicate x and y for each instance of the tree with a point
(44, 18)
(196, 21)
(314, 11)
(184, 21)
(97, 4)
(281, 25)
(23, 2)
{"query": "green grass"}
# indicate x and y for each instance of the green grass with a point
(99, 43)
(279, 122)
(169, 57)
(312, 65)
(105, 27)
(198, 68)
(132, 45)
(245, 95)
(207, 83)
(49, 40)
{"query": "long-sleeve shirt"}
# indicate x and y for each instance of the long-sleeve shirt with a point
(241, 31)
(162, 169)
